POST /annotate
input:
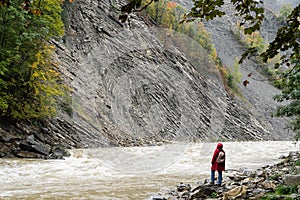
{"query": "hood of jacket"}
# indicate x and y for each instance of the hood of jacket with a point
(220, 146)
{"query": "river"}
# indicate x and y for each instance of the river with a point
(128, 173)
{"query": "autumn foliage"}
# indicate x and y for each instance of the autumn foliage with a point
(29, 81)
(171, 5)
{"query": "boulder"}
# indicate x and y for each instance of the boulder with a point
(39, 148)
(292, 179)
(26, 154)
(183, 187)
(268, 185)
(204, 191)
(254, 184)
(261, 173)
(237, 192)
(58, 152)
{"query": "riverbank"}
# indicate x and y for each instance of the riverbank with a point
(128, 173)
(278, 181)
(42, 139)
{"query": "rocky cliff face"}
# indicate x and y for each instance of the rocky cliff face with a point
(130, 87)
(260, 92)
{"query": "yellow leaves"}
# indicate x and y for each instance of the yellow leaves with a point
(34, 65)
(36, 11)
(71, 1)
(51, 47)
(53, 73)
(32, 82)
(214, 54)
(255, 40)
(41, 68)
(35, 74)
(44, 79)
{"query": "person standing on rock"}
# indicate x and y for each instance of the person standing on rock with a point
(218, 164)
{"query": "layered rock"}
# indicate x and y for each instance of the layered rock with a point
(260, 92)
(130, 88)
(129, 85)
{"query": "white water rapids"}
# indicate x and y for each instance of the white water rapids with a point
(128, 173)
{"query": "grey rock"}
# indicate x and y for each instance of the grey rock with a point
(39, 148)
(6, 136)
(286, 169)
(261, 173)
(183, 187)
(58, 152)
(2, 154)
(268, 185)
(27, 154)
(251, 187)
(292, 179)
(130, 80)
(258, 93)
(157, 197)
(131, 87)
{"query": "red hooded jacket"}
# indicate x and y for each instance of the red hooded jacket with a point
(214, 164)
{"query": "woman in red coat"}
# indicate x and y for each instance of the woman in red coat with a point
(218, 163)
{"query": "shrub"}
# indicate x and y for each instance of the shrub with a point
(285, 189)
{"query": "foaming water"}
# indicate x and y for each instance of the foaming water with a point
(127, 173)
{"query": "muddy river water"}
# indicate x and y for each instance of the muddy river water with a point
(128, 173)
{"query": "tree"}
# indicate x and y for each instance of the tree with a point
(285, 44)
(169, 15)
(29, 81)
(234, 76)
(290, 86)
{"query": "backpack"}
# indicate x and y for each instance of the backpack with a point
(221, 157)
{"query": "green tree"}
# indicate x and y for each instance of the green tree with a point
(289, 83)
(234, 76)
(170, 15)
(28, 79)
(254, 40)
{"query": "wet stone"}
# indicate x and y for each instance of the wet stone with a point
(58, 153)
(26, 154)
(268, 185)
(261, 173)
(43, 149)
(183, 187)
(6, 136)
(2, 154)
(238, 185)
(285, 169)
(158, 197)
